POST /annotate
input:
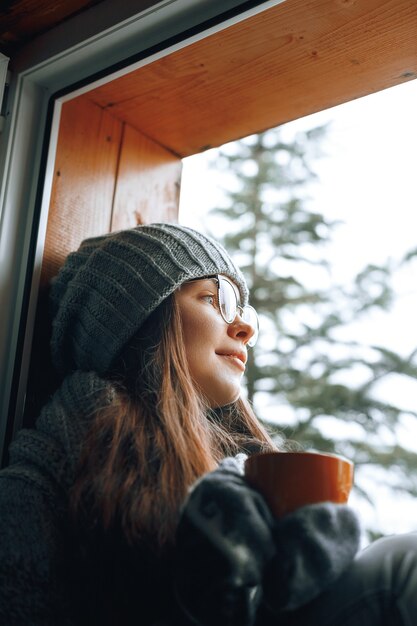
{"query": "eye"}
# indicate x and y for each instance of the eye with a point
(210, 298)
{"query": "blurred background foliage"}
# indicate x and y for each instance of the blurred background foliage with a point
(308, 380)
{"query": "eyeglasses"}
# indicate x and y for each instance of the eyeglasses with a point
(229, 306)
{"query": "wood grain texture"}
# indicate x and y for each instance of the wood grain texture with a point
(81, 204)
(148, 183)
(297, 58)
(107, 177)
(85, 174)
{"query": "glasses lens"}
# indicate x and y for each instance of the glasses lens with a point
(250, 316)
(227, 300)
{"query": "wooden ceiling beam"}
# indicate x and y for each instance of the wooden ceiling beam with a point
(294, 59)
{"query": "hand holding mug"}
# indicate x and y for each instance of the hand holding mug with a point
(316, 536)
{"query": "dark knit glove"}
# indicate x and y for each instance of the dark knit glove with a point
(313, 547)
(224, 541)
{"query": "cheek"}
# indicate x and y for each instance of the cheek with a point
(201, 332)
(199, 342)
(220, 383)
(203, 335)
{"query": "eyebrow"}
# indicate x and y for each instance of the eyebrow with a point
(205, 278)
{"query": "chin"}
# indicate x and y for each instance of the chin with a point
(224, 400)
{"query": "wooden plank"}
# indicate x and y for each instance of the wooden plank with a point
(148, 183)
(106, 178)
(81, 206)
(85, 174)
(294, 59)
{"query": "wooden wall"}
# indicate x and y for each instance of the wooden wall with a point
(108, 176)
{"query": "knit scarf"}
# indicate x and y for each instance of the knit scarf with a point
(54, 446)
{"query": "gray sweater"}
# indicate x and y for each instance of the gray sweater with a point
(49, 577)
(34, 544)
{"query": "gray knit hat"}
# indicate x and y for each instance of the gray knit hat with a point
(106, 290)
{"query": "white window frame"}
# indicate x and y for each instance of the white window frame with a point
(89, 45)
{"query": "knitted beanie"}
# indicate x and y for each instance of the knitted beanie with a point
(107, 289)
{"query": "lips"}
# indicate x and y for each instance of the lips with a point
(238, 358)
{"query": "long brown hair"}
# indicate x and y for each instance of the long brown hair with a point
(158, 436)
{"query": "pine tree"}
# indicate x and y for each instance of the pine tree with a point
(301, 377)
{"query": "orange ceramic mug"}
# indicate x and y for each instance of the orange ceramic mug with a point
(289, 480)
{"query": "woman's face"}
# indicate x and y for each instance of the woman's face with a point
(216, 351)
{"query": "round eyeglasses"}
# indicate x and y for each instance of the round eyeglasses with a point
(229, 306)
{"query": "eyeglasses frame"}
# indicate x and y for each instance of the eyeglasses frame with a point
(239, 307)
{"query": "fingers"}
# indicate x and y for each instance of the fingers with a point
(224, 539)
(314, 546)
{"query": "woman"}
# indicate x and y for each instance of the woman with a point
(127, 503)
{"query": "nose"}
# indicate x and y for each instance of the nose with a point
(239, 329)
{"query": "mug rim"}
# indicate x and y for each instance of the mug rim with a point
(317, 453)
